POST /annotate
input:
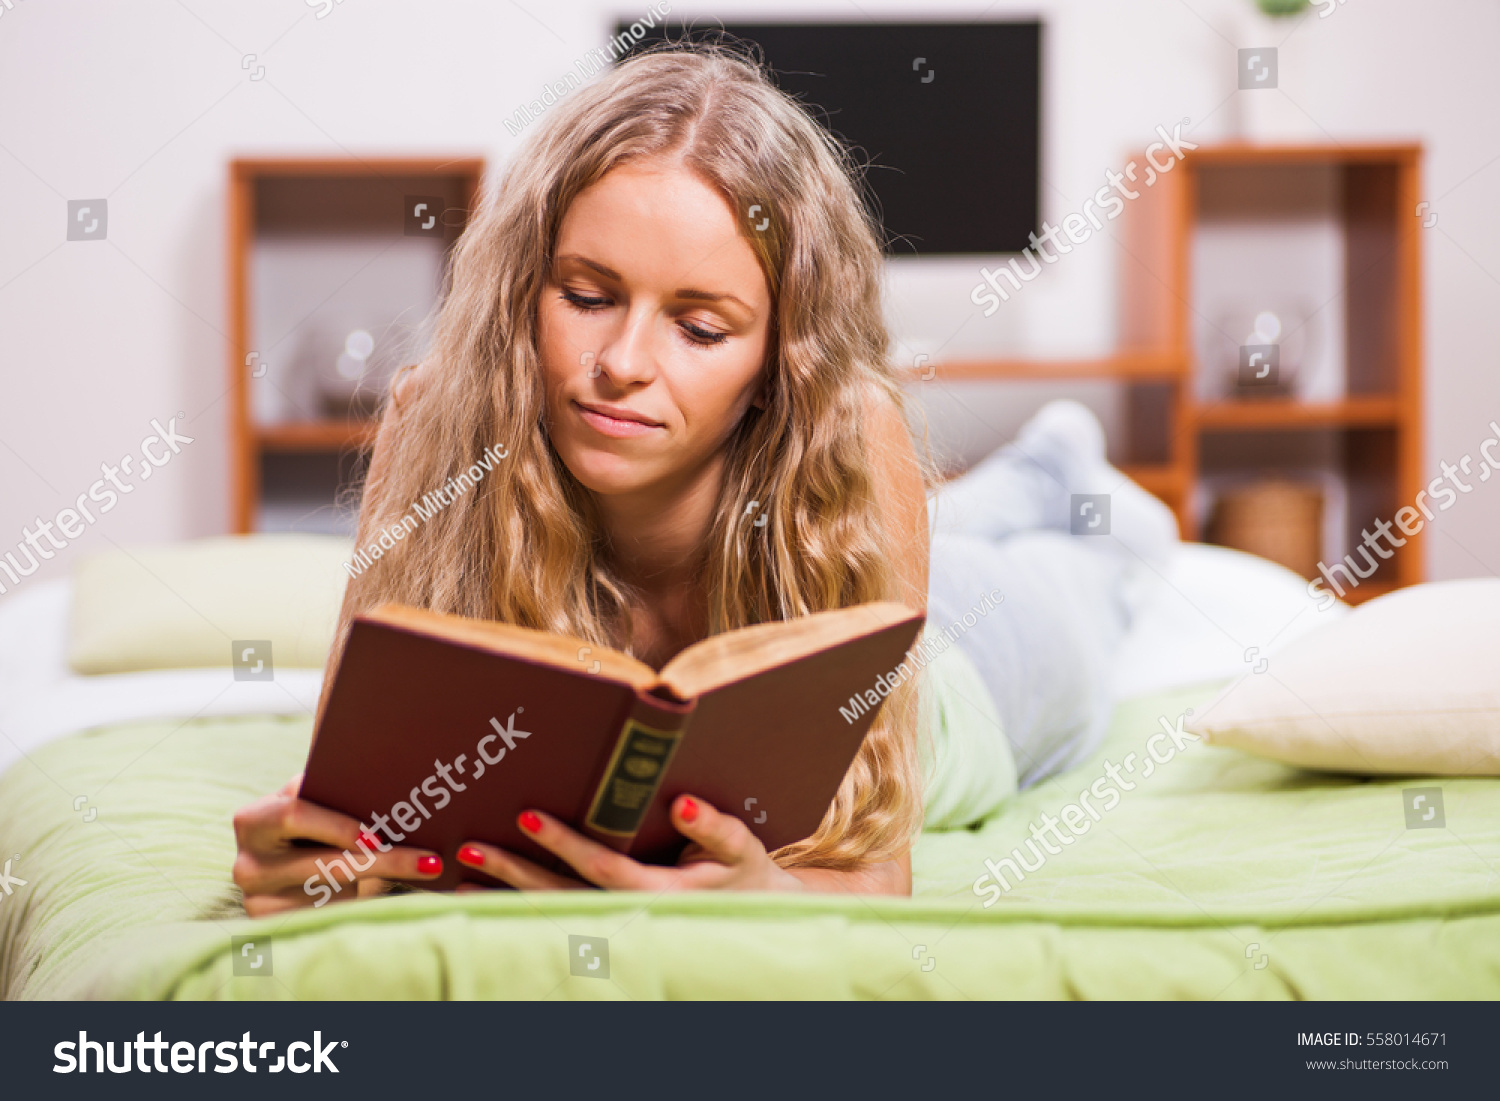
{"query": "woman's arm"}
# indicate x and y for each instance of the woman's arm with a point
(892, 877)
(275, 873)
(407, 383)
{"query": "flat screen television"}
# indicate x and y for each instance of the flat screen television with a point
(946, 115)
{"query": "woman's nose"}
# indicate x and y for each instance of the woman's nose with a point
(631, 356)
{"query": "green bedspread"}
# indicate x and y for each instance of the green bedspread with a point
(1216, 876)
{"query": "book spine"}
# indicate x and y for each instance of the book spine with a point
(642, 754)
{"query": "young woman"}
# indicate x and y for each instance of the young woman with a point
(669, 311)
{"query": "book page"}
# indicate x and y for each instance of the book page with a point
(723, 658)
(561, 652)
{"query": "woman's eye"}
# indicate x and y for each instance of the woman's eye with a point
(695, 334)
(703, 336)
(582, 302)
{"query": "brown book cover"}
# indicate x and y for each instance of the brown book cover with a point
(441, 729)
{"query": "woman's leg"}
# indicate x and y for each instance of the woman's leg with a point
(1030, 483)
(1048, 652)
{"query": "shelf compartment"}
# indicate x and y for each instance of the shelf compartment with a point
(1355, 466)
(310, 492)
(332, 235)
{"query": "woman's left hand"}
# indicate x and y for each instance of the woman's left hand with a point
(724, 855)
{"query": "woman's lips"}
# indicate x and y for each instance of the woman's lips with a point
(613, 426)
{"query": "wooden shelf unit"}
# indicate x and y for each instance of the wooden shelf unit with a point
(1379, 420)
(316, 196)
(1358, 412)
(1125, 367)
(334, 435)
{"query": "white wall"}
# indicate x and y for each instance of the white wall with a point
(144, 104)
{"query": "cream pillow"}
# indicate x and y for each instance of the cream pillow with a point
(1407, 683)
(182, 606)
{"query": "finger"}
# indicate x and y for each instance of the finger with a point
(722, 837)
(307, 868)
(597, 863)
(373, 886)
(292, 786)
(517, 871)
(297, 819)
(266, 905)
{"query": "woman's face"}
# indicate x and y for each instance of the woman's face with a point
(656, 310)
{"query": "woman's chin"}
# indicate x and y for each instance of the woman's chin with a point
(607, 475)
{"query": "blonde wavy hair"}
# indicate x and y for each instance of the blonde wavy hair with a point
(526, 546)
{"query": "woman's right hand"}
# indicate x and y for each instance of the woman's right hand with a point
(275, 875)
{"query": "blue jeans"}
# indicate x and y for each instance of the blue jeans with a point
(1048, 651)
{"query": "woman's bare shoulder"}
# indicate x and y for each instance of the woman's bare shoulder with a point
(409, 382)
(885, 425)
(900, 489)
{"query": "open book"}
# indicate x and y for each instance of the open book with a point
(441, 729)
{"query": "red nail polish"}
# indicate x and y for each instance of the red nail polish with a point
(689, 810)
(430, 865)
(530, 822)
(471, 856)
(367, 839)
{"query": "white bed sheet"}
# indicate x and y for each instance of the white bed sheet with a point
(42, 699)
(1212, 614)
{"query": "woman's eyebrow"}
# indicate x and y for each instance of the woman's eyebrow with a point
(710, 296)
(682, 292)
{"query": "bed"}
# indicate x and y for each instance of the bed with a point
(1215, 875)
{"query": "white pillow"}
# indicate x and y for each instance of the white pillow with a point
(1210, 615)
(181, 606)
(1407, 683)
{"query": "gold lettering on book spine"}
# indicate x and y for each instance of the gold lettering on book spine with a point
(636, 767)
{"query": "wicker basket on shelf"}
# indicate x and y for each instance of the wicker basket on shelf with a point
(1276, 519)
